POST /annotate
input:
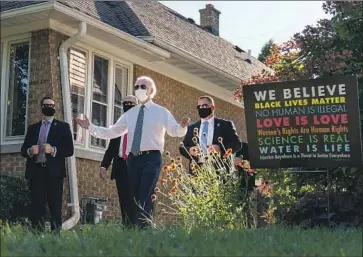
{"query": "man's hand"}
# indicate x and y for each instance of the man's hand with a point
(47, 148)
(194, 150)
(34, 149)
(185, 122)
(103, 173)
(83, 123)
(214, 148)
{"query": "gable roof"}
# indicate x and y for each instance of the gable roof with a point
(150, 18)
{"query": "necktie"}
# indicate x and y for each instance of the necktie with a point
(204, 136)
(135, 148)
(42, 140)
(124, 146)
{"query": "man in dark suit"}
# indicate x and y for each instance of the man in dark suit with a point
(116, 151)
(46, 146)
(207, 131)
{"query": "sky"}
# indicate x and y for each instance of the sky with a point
(250, 24)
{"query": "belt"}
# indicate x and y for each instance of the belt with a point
(146, 152)
(41, 164)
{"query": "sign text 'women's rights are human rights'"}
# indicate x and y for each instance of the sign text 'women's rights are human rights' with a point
(307, 123)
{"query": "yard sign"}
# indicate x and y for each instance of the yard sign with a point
(307, 123)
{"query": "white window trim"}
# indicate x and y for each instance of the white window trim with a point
(128, 90)
(78, 144)
(107, 104)
(6, 42)
(83, 149)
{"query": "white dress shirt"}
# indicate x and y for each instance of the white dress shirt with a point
(210, 130)
(157, 121)
(50, 121)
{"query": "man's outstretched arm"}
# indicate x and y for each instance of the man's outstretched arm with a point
(116, 130)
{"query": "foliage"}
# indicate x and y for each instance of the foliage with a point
(210, 198)
(314, 199)
(14, 196)
(265, 51)
(345, 197)
(110, 240)
(213, 198)
(322, 209)
(332, 47)
(284, 60)
(280, 187)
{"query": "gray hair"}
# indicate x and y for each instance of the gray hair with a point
(149, 83)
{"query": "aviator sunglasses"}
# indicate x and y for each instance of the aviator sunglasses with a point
(140, 86)
(202, 106)
(128, 103)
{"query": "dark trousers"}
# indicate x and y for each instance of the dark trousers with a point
(45, 188)
(124, 198)
(143, 171)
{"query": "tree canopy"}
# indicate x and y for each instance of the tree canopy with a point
(265, 51)
(332, 47)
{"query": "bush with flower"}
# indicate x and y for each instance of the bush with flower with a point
(209, 197)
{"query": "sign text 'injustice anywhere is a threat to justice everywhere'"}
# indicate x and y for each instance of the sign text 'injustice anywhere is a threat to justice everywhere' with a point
(308, 123)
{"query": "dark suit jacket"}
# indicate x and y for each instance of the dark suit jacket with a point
(247, 179)
(222, 128)
(59, 136)
(119, 166)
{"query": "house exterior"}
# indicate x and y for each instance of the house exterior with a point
(123, 40)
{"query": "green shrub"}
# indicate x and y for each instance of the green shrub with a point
(14, 196)
(212, 199)
(302, 198)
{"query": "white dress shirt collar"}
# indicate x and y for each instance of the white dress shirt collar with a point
(148, 103)
(49, 120)
(210, 121)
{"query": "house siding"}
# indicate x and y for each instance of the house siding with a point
(179, 98)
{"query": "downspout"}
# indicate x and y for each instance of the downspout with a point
(71, 162)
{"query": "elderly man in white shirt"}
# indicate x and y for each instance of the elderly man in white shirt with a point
(145, 125)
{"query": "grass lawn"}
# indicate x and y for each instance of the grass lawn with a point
(109, 240)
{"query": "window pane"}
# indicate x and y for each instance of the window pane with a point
(1, 65)
(99, 117)
(18, 88)
(116, 113)
(78, 111)
(77, 80)
(118, 96)
(121, 79)
(100, 79)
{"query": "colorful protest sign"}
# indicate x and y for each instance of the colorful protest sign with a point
(308, 123)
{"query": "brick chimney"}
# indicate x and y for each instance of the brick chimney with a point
(209, 19)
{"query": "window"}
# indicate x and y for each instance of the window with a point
(1, 71)
(98, 84)
(99, 97)
(121, 79)
(16, 85)
(77, 82)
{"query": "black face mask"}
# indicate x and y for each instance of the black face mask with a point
(48, 111)
(127, 107)
(204, 112)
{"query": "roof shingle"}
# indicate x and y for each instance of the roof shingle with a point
(151, 18)
(171, 27)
